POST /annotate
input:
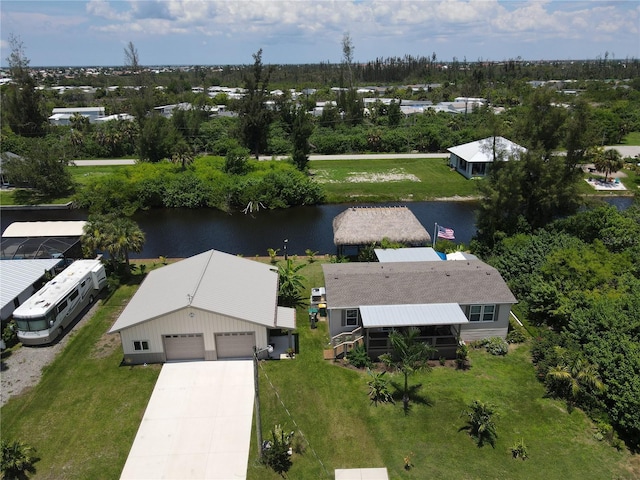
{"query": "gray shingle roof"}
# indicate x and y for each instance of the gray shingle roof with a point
(462, 282)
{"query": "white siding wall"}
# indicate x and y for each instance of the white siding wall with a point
(479, 330)
(336, 317)
(207, 323)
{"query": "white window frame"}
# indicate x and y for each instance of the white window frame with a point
(349, 319)
(140, 345)
(482, 313)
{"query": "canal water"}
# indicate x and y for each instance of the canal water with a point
(178, 233)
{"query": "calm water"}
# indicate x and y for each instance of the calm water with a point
(178, 233)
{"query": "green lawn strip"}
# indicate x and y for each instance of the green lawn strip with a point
(436, 180)
(83, 415)
(82, 175)
(632, 138)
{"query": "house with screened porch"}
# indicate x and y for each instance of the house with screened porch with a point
(448, 301)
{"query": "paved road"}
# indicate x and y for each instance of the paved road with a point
(625, 151)
(367, 156)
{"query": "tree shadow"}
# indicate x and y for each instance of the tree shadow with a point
(414, 398)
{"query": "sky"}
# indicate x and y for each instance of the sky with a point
(229, 32)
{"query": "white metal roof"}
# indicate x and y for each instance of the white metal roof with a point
(62, 284)
(461, 256)
(212, 281)
(481, 150)
(417, 254)
(45, 229)
(286, 318)
(18, 275)
(374, 316)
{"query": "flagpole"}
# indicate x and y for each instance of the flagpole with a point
(435, 236)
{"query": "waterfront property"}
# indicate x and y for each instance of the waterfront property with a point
(447, 300)
(473, 159)
(211, 306)
(41, 240)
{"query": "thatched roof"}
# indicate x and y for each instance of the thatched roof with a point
(366, 225)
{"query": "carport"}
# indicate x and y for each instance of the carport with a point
(197, 424)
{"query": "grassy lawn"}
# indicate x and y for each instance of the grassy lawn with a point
(382, 180)
(330, 406)
(83, 415)
(632, 138)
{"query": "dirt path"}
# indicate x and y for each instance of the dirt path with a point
(22, 369)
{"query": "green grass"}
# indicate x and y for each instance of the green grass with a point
(83, 415)
(632, 138)
(329, 405)
(431, 179)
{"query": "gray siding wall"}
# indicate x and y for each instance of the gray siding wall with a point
(181, 322)
(478, 330)
(335, 317)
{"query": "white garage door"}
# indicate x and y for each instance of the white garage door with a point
(184, 347)
(235, 345)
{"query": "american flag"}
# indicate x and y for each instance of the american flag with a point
(446, 233)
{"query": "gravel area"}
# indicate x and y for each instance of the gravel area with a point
(22, 369)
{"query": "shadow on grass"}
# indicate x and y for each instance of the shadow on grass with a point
(413, 396)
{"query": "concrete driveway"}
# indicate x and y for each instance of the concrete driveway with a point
(197, 424)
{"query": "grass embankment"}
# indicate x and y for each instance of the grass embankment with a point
(82, 417)
(632, 138)
(387, 180)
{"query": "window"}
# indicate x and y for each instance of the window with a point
(140, 345)
(482, 313)
(351, 318)
(74, 295)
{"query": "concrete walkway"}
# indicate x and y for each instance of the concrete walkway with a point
(197, 424)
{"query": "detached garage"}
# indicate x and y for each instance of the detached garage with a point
(207, 307)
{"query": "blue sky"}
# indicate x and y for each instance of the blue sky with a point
(222, 32)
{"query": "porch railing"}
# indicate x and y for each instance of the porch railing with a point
(344, 342)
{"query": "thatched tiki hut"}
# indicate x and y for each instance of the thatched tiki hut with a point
(363, 226)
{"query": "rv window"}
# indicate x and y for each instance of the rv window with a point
(74, 295)
(62, 306)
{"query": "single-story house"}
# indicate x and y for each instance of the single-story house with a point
(474, 158)
(447, 300)
(363, 226)
(211, 306)
(63, 115)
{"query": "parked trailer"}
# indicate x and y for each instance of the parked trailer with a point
(45, 315)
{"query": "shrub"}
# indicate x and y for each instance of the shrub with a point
(497, 346)
(379, 388)
(358, 357)
(519, 450)
(17, 459)
(10, 334)
(516, 336)
(275, 453)
(462, 356)
(480, 423)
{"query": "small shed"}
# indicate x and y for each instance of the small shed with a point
(362, 226)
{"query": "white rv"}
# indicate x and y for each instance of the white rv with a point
(45, 315)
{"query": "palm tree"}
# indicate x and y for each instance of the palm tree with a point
(607, 162)
(480, 422)
(116, 235)
(379, 388)
(574, 377)
(291, 283)
(408, 356)
(17, 460)
(182, 154)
